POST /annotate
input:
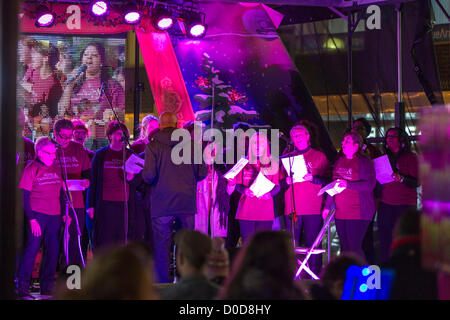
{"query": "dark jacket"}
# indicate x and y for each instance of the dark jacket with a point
(174, 186)
(191, 287)
(95, 190)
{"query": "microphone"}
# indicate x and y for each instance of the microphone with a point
(283, 137)
(102, 91)
(57, 144)
(81, 69)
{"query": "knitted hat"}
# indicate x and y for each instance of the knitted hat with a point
(218, 261)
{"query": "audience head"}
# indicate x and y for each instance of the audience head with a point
(263, 269)
(396, 140)
(193, 249)
(45, 150)
(334, 275)
(80, 131)
(122, 273)
(149, 125)
(218, 263)
(168, 120)
(351, 144)
(63, 129)
(408, 224)
(362, 127)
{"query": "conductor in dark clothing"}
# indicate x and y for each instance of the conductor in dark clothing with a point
(174, 188)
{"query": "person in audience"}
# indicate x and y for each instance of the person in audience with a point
(411, 280)
(218, 263)
(119, 273)
(332, 279)
(41, 185)
(354, 174)
(264, 270)
(193, 249)
(399, 195)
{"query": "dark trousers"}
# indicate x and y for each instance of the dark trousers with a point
(249, 227)
(163, 228)
(368, 243)
(351, 234)
(50, 228)
(109, 225)
(74, 248)
(388, 216)
(311, 225)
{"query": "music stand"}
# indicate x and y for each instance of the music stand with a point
(313, 250)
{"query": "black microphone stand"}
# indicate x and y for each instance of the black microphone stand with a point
(68, 204)
(127, 140)
(293, 214)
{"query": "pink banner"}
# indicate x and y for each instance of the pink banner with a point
(164, 74)
(72, 19)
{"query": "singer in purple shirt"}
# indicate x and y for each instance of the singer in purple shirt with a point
(83, 97)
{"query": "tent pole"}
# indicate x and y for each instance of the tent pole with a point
(400, 105)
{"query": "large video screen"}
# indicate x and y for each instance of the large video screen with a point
(70, 77)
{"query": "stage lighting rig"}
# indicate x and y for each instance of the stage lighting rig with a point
(162, 18)
(131, 13)
(99, 8)
(44, 17)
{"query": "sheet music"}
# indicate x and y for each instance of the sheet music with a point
(76, 185)
(332, 189)
(134, 164)
(299, 168)
(230, 175)
(383, 169)
(261, 185)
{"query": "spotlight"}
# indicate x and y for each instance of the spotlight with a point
(162, 19)
(131, 14)
(99, 8)
(44, 17)
(196, 25)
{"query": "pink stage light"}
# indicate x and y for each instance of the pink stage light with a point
(99, 8)
(197, 30)
(165, 23)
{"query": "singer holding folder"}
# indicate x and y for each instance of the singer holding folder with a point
(82, 96)
(307, 205)
(256, 213)
(76, 165)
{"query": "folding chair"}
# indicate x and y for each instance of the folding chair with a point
(310, 251)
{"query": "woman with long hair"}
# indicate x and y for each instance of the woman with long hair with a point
(256, 213)
(399, 195)
(84, 94)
